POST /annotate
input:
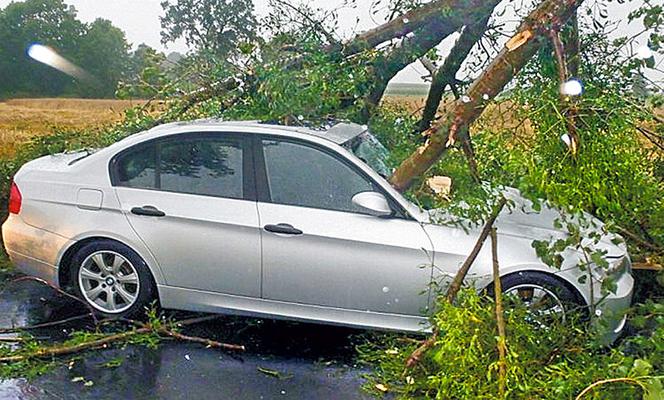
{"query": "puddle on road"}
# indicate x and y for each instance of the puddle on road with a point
(310, 361)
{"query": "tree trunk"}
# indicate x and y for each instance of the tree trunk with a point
(511, 59)
(446, 74)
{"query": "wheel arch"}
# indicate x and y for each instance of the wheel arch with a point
(64, 264)
(562, 280)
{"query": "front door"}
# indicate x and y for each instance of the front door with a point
(321, 249)
(190, 197)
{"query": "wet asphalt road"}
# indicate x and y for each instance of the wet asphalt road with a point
(313, 361)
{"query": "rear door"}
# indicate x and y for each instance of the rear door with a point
(320, 249)
(190, 197)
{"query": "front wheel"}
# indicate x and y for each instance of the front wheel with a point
(544, 297)
(112, 279)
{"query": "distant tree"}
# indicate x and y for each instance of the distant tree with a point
(98, 48)
(103, 53)
(146, 75)
(49, 22)
(213, 27)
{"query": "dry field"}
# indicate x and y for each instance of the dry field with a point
(21, 119)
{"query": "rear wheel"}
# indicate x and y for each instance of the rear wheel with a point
(112, 279)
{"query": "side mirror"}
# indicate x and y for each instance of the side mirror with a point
(374, 202)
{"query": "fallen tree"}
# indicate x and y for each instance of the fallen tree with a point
(453, 126)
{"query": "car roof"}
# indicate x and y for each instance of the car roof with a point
(338, 133)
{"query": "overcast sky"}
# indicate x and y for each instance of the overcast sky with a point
(140, 21)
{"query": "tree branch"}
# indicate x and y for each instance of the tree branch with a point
(500, 321)
(446, 74)
(518, 50)
(455, 286)
(386, 67)
(444, 10)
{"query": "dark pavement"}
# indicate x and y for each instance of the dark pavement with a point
(311, 361)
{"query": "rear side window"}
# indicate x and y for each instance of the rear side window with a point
(137, 168)
(203, 166)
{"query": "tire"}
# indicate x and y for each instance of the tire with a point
(541, 293)
(120, 287)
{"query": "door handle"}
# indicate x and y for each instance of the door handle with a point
(286, 229)
(148, 211)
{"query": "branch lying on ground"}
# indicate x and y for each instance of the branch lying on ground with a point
(59, 351)
(142, 328)
(456, 284)
(45, 325)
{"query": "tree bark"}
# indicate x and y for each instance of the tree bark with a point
(387, 66)
(445, 10)
(511, 59)
(424, 40)
(572, 46)
(446, 74)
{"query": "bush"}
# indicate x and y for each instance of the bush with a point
(554, 362)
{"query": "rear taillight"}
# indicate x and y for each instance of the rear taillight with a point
(15, 199)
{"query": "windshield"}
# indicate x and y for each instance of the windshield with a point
(367, 148)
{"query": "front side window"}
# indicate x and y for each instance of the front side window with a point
(202, 166)
(300, 175)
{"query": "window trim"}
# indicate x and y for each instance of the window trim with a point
(263, 187)
(248, 173)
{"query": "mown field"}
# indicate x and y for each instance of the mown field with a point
(21, 119)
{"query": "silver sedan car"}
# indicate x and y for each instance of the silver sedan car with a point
(272, 221)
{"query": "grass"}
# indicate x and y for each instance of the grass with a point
(21, 119)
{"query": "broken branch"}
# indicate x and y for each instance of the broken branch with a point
(446, 74)
(455, 286)
(500, 321)
(493, 79)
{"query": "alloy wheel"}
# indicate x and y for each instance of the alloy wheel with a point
(108, 282)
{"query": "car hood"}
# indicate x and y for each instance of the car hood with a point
(521, 220)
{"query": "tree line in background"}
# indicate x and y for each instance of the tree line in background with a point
(99, 48)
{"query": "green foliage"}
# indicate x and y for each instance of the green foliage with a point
(35, 363)
(147, 76)
(323, 88)
(215, 27)
(98, 47)
(552, 362)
